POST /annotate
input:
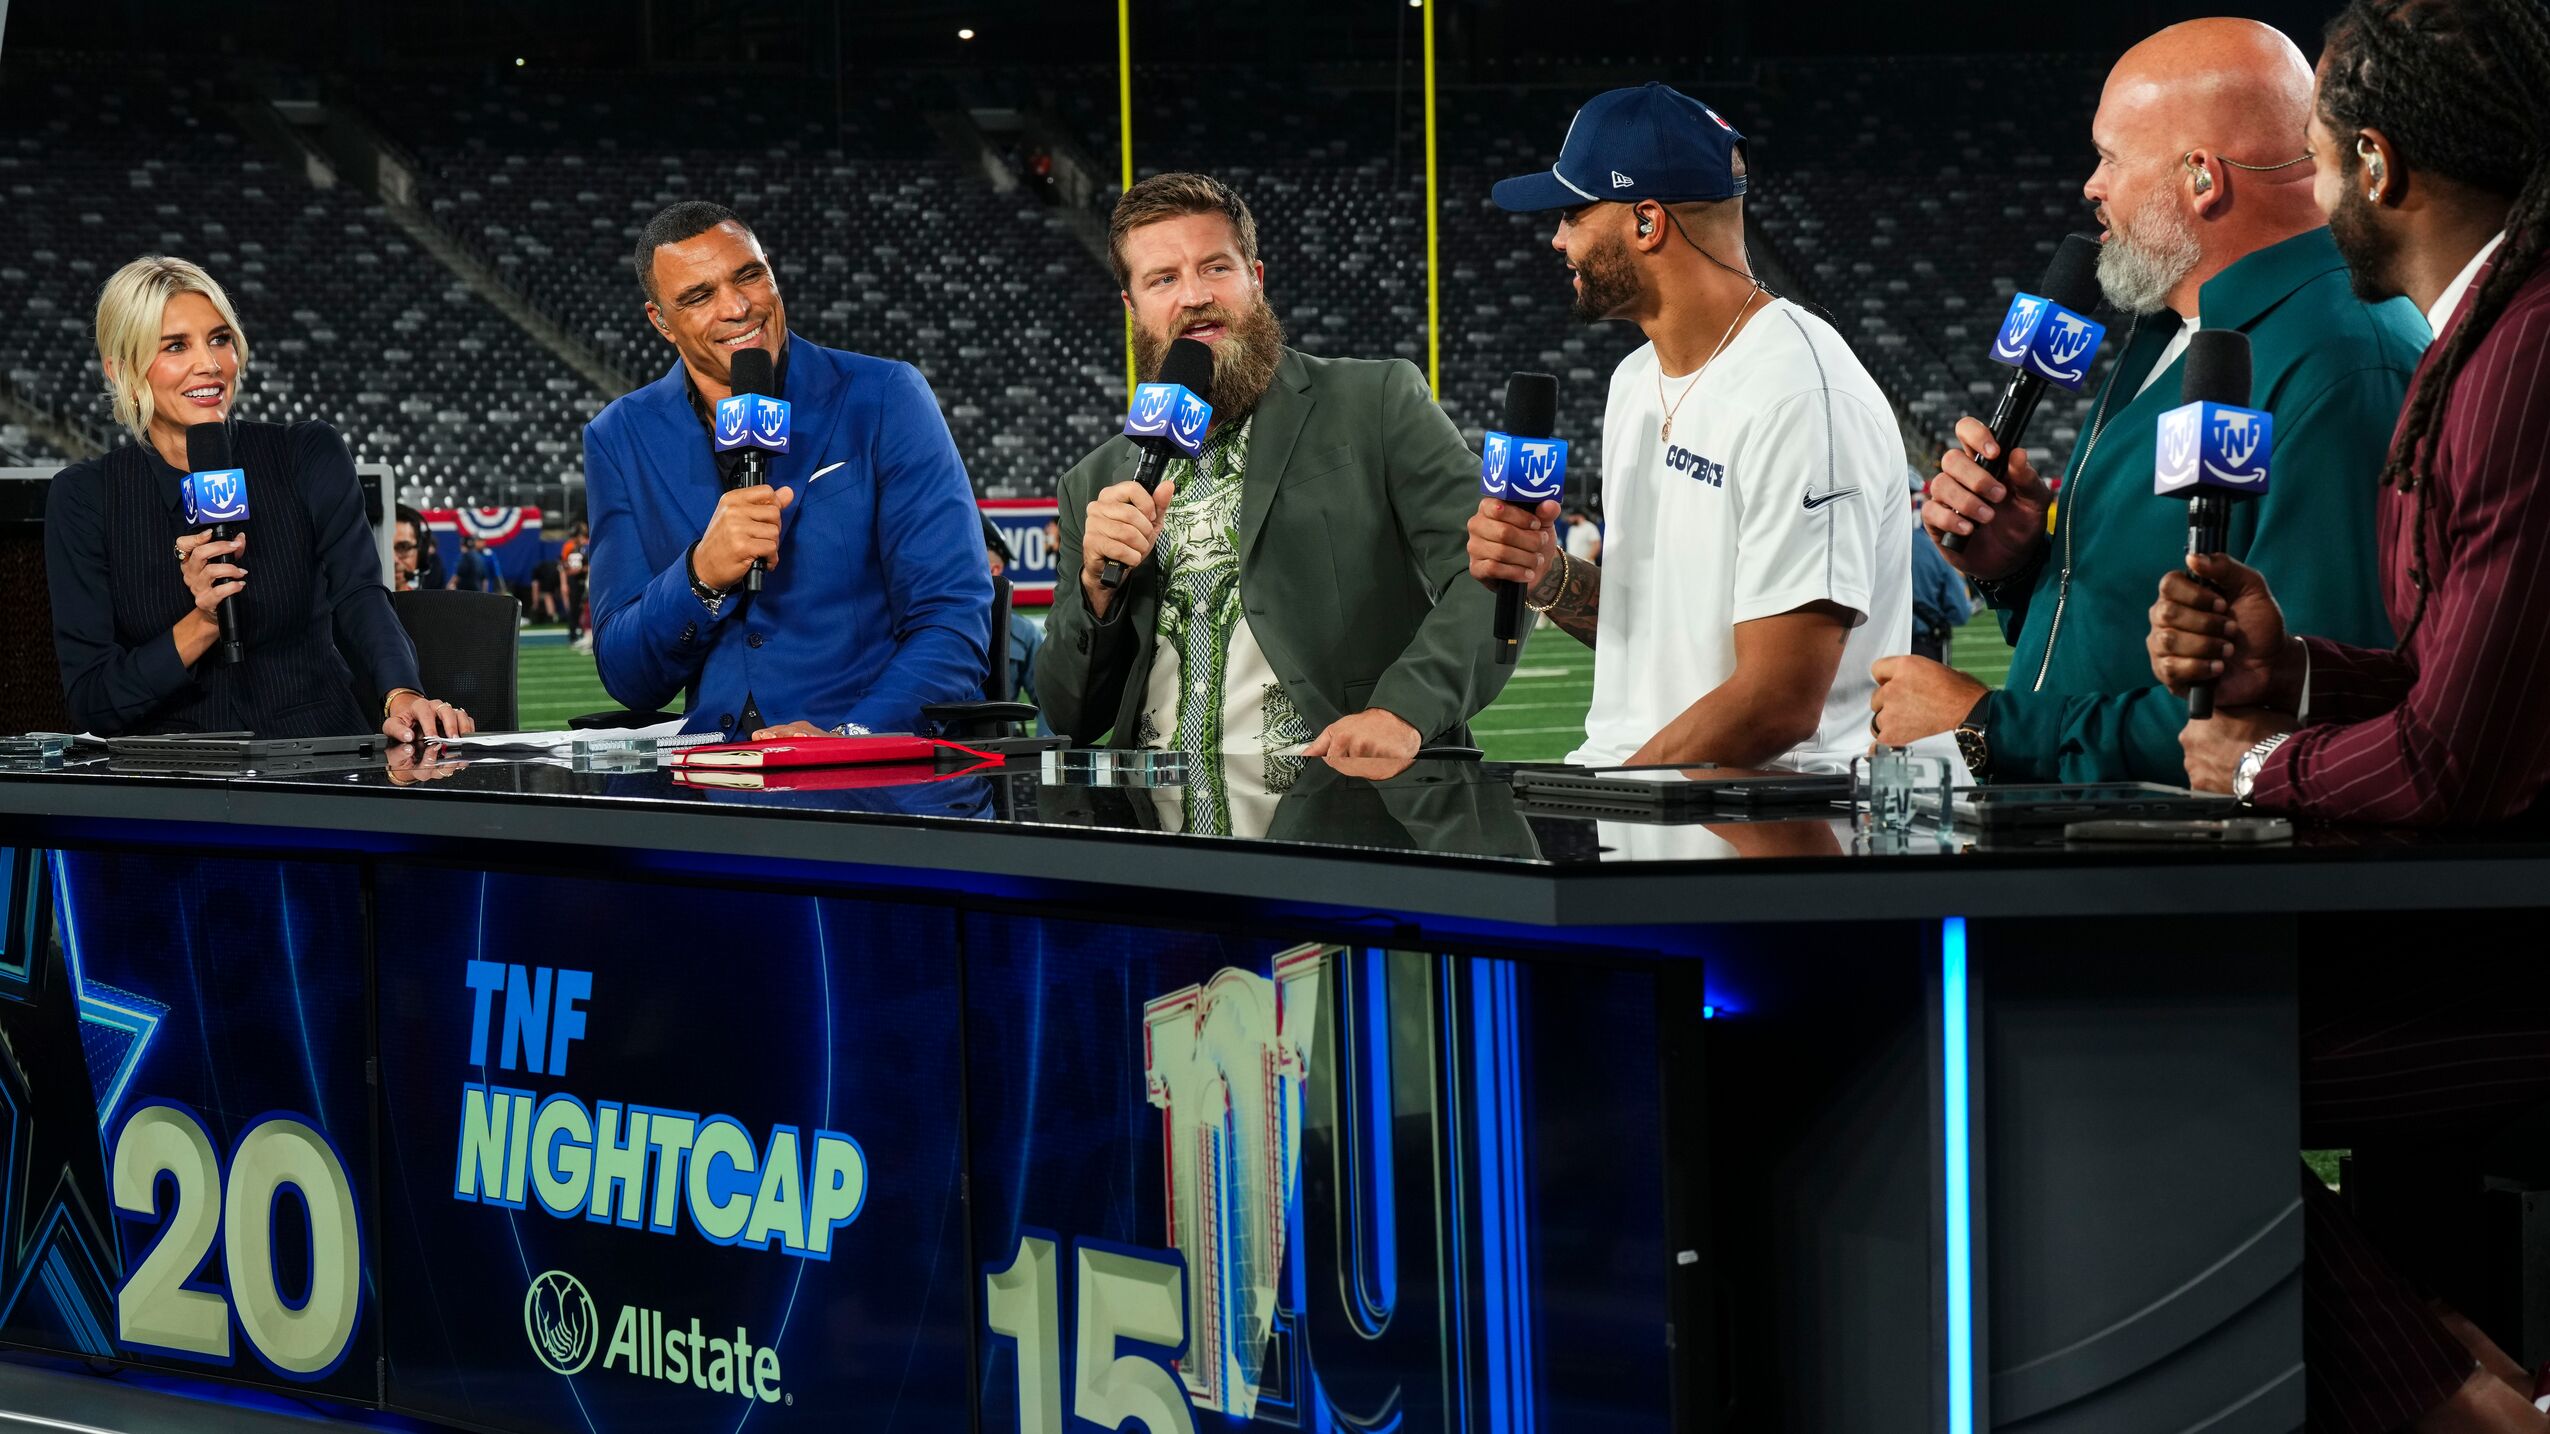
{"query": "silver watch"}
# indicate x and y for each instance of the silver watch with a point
(2244, 778)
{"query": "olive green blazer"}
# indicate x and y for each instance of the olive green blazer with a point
(1354, 563)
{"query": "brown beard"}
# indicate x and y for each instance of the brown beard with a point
(1244, 362)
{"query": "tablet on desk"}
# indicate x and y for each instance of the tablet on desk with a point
(2056, 804)
(1679, 788)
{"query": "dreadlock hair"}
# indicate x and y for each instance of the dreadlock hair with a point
(2462, 90)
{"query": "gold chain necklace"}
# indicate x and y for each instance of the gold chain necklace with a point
(1676, 407)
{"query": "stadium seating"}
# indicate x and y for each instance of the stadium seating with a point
(347, 321)
(1905, 201)
(881, 244)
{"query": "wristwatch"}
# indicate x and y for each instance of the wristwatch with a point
(2244, 778)
(1971, 744)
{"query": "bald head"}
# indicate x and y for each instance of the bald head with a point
(2233, 85)
(2200, 143)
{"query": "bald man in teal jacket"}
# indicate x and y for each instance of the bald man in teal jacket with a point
(2080, 704)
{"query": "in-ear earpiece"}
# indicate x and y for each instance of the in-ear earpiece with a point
(2204, 176)
(1646, 226)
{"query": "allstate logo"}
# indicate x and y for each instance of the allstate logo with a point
(2238, 436)
(2021, 323)
(559, 1317)
(2177, 444)
(770, 420)
(1193, 416)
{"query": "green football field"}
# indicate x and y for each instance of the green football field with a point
(1540, 716)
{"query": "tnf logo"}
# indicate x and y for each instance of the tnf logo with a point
(2178, 445)
(2236, 438)
(2021, 323)
(2069, 340)
(770, 420)
(1225, 1062)
(1151, 404)
(730, 422)
(1193, 415)
(1493, 459)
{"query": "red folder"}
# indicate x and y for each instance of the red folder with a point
(825, 779)
(810, 752)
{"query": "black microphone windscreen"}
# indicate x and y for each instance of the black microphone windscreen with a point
(1531, 405)
(1189, 365)
(2072, 279)
(208, 447)
(750, 372)
(2217, 368)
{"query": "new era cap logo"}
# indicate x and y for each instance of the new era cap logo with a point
(1620, 180)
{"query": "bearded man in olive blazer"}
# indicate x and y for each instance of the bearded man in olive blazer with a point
(1298, 588)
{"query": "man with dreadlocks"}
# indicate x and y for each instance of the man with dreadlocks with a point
(2430, 135)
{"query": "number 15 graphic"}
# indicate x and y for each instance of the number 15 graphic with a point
(1124, 1295)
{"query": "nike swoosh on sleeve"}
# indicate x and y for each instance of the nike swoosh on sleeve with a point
(1814, 501)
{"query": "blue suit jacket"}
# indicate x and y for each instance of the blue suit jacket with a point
(881, 602)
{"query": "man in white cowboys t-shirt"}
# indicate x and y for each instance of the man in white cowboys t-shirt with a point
(1756, 559)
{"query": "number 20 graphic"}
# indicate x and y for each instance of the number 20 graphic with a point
(1123, 1295)
(157, 1308)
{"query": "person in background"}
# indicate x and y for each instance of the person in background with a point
(1584, 536)
(1941, 604)
(574, 556)
(1024, 635)
(412, 553)
(470, 573)
(137, 590)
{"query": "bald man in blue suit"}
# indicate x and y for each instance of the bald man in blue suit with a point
(876, 602)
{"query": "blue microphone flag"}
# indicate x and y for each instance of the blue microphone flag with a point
(752, 420)
(2221, 446)
(2042, 337)
(216, 495)
(1522, 470)
(1172, 411)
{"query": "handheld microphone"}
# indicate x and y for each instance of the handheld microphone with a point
(2212, 451)
(1168, 417)
(1524, 466)
(216, 496)
(752, 420)
(2048, 338)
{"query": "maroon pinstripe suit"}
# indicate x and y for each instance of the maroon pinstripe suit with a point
(2453, 730)
(2457, 728)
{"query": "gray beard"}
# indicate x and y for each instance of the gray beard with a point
(2142, 261)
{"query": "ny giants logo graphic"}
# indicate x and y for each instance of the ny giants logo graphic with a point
(1225, 1063)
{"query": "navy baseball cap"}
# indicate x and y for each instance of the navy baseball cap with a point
(1651, 142)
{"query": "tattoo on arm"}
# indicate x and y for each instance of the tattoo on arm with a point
(1575, 602)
